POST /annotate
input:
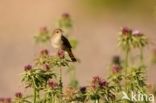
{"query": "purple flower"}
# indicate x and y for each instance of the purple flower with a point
(83, 90)
(102, 83)
(98, 82)
(52, 84)
(65, 15)
(8, 100)
(96, 79)
(28, 67)
(116, 68)
(2, 99)
(61, 53)
(47, 67)
(137, 33)
(44, 52)
(43, 29)
(18, 95)
(126, 31)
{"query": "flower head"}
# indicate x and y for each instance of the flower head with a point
(98, 82)
(126, 31)
(65, 15)
(102, 83)
(8, 100)
(28, 67)
(116, 68)
(2, 99)
(137, 33)
(52, 84)
(61, 53)
(44, 52)
(18, 95)
(43, 29)
(47, 67)
(83, 90)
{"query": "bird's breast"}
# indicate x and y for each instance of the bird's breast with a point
(56, 41)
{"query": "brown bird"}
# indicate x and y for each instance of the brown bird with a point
(59, 41)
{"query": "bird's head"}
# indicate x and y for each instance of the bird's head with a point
(57, 31)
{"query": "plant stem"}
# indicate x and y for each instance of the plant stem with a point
(61, 84)
(126, 58)
(34, 95)
(96, 101)
(141, 56)
(34, 90)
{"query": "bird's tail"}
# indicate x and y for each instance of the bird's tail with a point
(70, 53)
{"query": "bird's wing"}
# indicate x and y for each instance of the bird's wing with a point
(65, 42)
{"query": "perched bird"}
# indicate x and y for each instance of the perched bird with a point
(59, 41)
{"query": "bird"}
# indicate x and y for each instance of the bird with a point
(59, 41)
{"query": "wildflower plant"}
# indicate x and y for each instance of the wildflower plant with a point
(44, 76)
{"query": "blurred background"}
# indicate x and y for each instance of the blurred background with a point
(96, 27)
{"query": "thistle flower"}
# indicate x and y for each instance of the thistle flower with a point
(28, 67)
(137, 33)
(2, 99)
(43, 30)
(116, 68)
(98, 82)
(65, 15)
(18, 95)
(61, 53)
(44, 52)
(52, 84)
(83, 90)
(102, 83)
(47, 67)
(126, 31)
(8, 100)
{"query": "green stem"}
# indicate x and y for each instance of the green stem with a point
(141, 56)
(126, 58)
(34, 90)
(126, 66)
(34, 95)
(51, 101)
(61, 84)
(96, 101)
